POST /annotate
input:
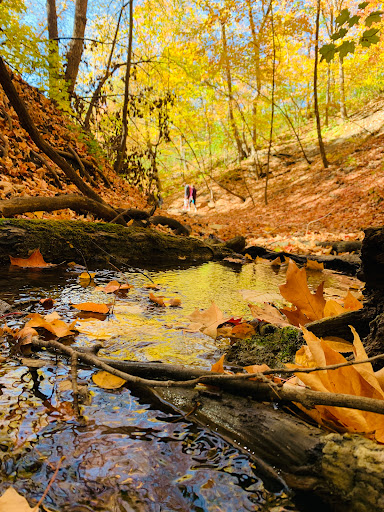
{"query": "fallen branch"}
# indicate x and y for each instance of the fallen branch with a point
(77, 203)
(87, 163)
(49, 167)
(83, 170)
(234, 384)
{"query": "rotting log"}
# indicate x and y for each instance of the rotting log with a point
(348, 264)
(345, 470)
(101, 243)
(77, 203)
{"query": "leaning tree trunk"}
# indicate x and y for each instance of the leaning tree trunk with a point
(315, 96)
(76, 45)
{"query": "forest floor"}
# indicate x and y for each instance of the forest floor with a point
(306, 203)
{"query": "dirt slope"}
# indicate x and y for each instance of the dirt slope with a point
(23, 173)
(305, 201)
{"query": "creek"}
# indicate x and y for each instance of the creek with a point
(134, 452)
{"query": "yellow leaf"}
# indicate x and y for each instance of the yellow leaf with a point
(174, 303)
(111, 287)
(87, 276)
(157, 299)
(339, 344)
(351, 303)
(248, 256)
(106, 380)
(314, 265)
(130, 223)
(296, 291)
(333, 308)
(35, 260)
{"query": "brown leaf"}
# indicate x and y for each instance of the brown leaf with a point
(295, 316)
(296, 291)
(47, 303)
(276, 262)
(242, 331)
(208, 320)
(268, 313)
(35, 260)
(175, 302)
(26, 334)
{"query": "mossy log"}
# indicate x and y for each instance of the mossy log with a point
(99, 244)
(346, 471)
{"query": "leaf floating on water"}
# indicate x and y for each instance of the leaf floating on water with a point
(47, 303)
(92, 307)
(153, 286)
(314, 265)
(51, 323)
(208, 320)
(115, 286)
(174, 303)
(35, 260)
(106, 380)
(11, 501)
(157, 299)
(87, 276)
(26, 334)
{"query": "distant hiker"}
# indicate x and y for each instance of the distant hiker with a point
(192, 196)
(186, 196)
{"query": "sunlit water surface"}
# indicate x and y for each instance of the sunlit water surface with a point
(134, 451)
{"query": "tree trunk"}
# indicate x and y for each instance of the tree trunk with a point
(53, 36)
(328, 95)
(76, 45)
(124, 131)
(343, 108)
(241, 153)
(107, 74)
(317, 114)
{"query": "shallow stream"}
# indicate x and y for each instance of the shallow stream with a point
(134, 453)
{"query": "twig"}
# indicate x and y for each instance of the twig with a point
(75, 389)
(49, 167)
(270, 392)
(36, 508)
(316, 220)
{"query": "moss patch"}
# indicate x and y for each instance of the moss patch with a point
(272, 346)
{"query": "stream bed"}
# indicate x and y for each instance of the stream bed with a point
(134, 453)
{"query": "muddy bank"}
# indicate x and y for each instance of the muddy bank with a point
(101, 243)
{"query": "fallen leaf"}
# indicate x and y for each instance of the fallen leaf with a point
(87, 276)
(35, 260)
(93, 307)
(297, 292)
(276, 262)
(208, 320)
(157, 299)
(333, 308)
(351, 303)
(258, 259)
(106, 380)
(218, 367)
(314, 265)
(243, 331)
(51, 323)
(153, 286)
(111, 287)
(268, 313)
(47, 303)
(11, 501)
(174, 303)
(234, 260)
(339, 344)
(295, 316)
(26, 334)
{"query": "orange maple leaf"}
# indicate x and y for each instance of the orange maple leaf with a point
(92, 307)
(35, 260)
(297, 292)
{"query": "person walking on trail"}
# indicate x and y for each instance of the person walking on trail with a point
(186, 196)
(192, 196)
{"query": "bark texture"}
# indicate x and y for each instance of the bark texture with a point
(76, 45)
